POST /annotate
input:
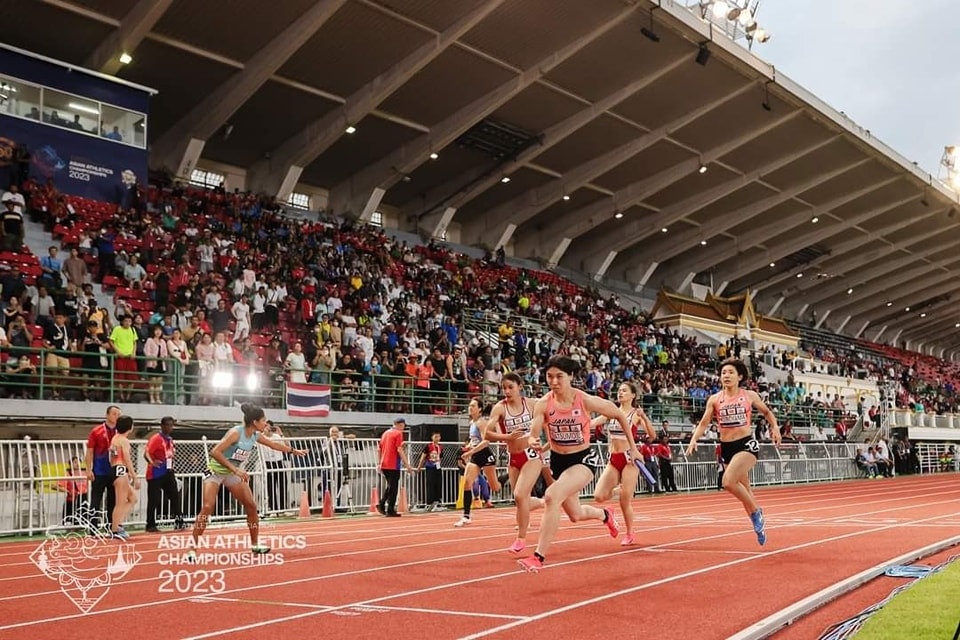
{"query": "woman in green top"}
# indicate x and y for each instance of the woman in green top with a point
(225, 467)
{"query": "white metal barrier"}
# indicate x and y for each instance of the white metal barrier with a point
(938, 457)
(35, 477)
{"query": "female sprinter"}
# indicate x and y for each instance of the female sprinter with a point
(620, 471)
(479, 457)
(126, 484)
(225, 468)
(510, 422)
(566, 413)
(731, 407)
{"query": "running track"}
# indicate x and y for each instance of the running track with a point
(697, 570)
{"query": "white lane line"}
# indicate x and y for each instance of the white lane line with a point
(648, 585)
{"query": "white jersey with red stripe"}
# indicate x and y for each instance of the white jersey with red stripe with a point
(615, 431)
(510, 423)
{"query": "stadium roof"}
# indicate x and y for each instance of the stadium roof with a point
(604, 134)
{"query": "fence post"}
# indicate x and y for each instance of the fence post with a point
(43, 371)
(30, 487)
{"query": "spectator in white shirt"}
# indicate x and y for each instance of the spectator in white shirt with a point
(296, 364)
(259, 308)
(241, 313)
(212, 299)
(13, 194)
(205, 252)
(134, 273)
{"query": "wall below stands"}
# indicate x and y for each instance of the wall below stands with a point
(33, 412)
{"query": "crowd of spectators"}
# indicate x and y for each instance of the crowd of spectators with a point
(224, 282)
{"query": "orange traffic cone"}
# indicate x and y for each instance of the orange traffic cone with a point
(304, 504)
(374, 501)
(402, 507)
(327, 504)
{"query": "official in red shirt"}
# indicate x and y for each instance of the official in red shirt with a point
(665, 458)
(161, 482)
(391, 454)
(432, 457)
(97, 463)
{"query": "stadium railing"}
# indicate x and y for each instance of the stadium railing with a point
(34, 476)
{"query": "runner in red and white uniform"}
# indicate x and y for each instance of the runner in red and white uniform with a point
(565, 412)
(620, 470)
(732, 407)
(510, 422)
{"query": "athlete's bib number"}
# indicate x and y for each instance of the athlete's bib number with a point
(753, 446)
(240, 455)
(121, 470)
(531, 453)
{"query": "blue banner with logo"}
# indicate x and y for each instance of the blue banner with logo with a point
(79, 164)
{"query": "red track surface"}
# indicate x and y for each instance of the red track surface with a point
(697, 570)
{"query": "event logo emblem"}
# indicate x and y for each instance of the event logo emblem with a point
(7, 148)
(84, 565)
(48, 161)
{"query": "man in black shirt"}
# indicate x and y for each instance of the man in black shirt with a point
(11, 225)
(57, 340)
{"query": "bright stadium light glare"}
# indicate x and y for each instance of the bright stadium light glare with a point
(222, 380)
(125, 58)
(618, 215)
(253, 381)
(799, 275)
(745, 17)
(849, 291)
(720, 9)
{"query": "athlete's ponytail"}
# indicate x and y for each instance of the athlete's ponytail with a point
(251, 413)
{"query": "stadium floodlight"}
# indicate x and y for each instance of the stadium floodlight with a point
(761, 35)
(720, 9)
(125, 58)
(735, 18)
(221, 380)
(745, 18)
(253, 381)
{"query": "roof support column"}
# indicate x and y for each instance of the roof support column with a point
(182, 144)
(403, 161)
(303, 148)
(776, 305)
(823, 318)
(862, 329)
(133, 28)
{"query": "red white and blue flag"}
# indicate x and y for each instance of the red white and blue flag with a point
(308, 400)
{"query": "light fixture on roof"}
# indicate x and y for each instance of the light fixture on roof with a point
(350, 129)
(957, 326)
(800, 275)
(736, 18)
(849, 291)
(923, 315)
(648, 32)
(566, 197)
(663, 230)
(702, 169)
(950, 167)
(889, 304)
(703, 54)
(703, 243)
(434, 155)
(907, 309)
(505, 179)
(618, 215)
(815, 220)
(125, 58)
(773, 264)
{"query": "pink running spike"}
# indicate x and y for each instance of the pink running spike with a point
(518, 546)
(531, 564)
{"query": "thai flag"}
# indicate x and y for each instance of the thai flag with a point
(308, 400)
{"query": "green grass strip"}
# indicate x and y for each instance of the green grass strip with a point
(928, 609)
